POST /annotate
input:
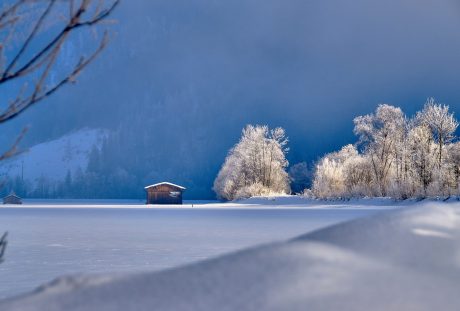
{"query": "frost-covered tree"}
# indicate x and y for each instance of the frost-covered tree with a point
(400, 158)
(256, 165)
(380, 134)
(453, 161)
(441, 123)
(422, 158)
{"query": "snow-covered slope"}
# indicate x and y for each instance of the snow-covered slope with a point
(401, 260)
(55, 158)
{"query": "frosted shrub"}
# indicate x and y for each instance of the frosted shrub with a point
(252, 190)
(308, 193)
(330, 179)
(358, 177)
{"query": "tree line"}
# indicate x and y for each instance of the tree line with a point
(394, 156)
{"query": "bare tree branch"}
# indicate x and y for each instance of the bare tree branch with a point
(14, 148)
(31, 62)
(31, 36)
(74, 23)
(10, 10)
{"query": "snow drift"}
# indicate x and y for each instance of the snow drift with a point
(401, 260)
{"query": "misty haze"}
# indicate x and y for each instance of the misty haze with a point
(180, 79)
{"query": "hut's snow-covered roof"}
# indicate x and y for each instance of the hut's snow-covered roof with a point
(165, 183)
(12, 195)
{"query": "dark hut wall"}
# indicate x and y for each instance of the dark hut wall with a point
(161, 194)
(11, 199)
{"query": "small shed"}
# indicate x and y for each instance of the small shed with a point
(12, 198)
(164, 193)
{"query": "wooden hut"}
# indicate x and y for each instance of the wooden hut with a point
(12, 198)
(164, 193)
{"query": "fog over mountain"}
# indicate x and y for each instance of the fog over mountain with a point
(181, 78)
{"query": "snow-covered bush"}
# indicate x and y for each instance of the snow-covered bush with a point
(330, 179)
(358, 177)
(253, 190)
(256, 165)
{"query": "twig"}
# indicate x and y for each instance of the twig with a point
(3, 243)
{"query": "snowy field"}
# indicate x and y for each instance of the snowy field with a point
(403, 259)
(48, 239)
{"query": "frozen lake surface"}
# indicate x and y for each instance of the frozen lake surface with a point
(45, 243)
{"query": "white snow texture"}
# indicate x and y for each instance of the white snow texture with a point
(407, 259)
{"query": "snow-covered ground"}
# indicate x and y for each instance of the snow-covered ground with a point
(55, 158)
(48, 239)
(276, 202)
(403, 259)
